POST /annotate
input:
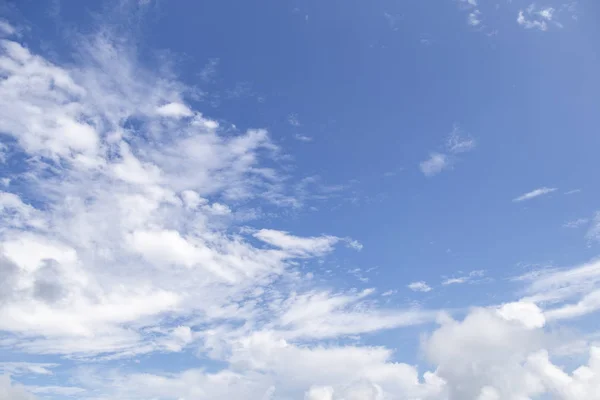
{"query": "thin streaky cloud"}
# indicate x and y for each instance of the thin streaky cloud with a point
(464, 279)
(576, 223)
(534, 193)
(303, 138)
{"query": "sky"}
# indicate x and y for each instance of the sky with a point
(299, 200)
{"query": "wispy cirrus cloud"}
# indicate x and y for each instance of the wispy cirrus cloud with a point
(593, 233)
(533, 194)
(158, 195)
(574, 191)
(470, 277)
(456, 144)
(576, 223)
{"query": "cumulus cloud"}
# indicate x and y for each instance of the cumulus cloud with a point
(10, 391)
(492, 353)
(496, 345)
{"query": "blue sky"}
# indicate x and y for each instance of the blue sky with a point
(318, 200)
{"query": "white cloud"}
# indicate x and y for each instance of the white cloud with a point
(353, 244)
(435, 164)
(534, 193)
(474, 18)
(19, 368)
(593, 233)
(556, 287)
(319, 393)
(497, 346)
(319, 314)
(310, 372)
(10, 391)
(453, 281)
(456, 143)
(576, 223)
(174, 110)
(584, 383)
(126, 233)
(57, 390)
(506, 344)
(419, 287)
(464, 279)
(493, 353)
(293, 120)
(209, 71)
(546, 13)
(573, 191)
(529, 24)
(299, 246)
(528, 314)
(7, 28)
(586, 305)
(303, 138)
(532, 18)
(179, 338)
